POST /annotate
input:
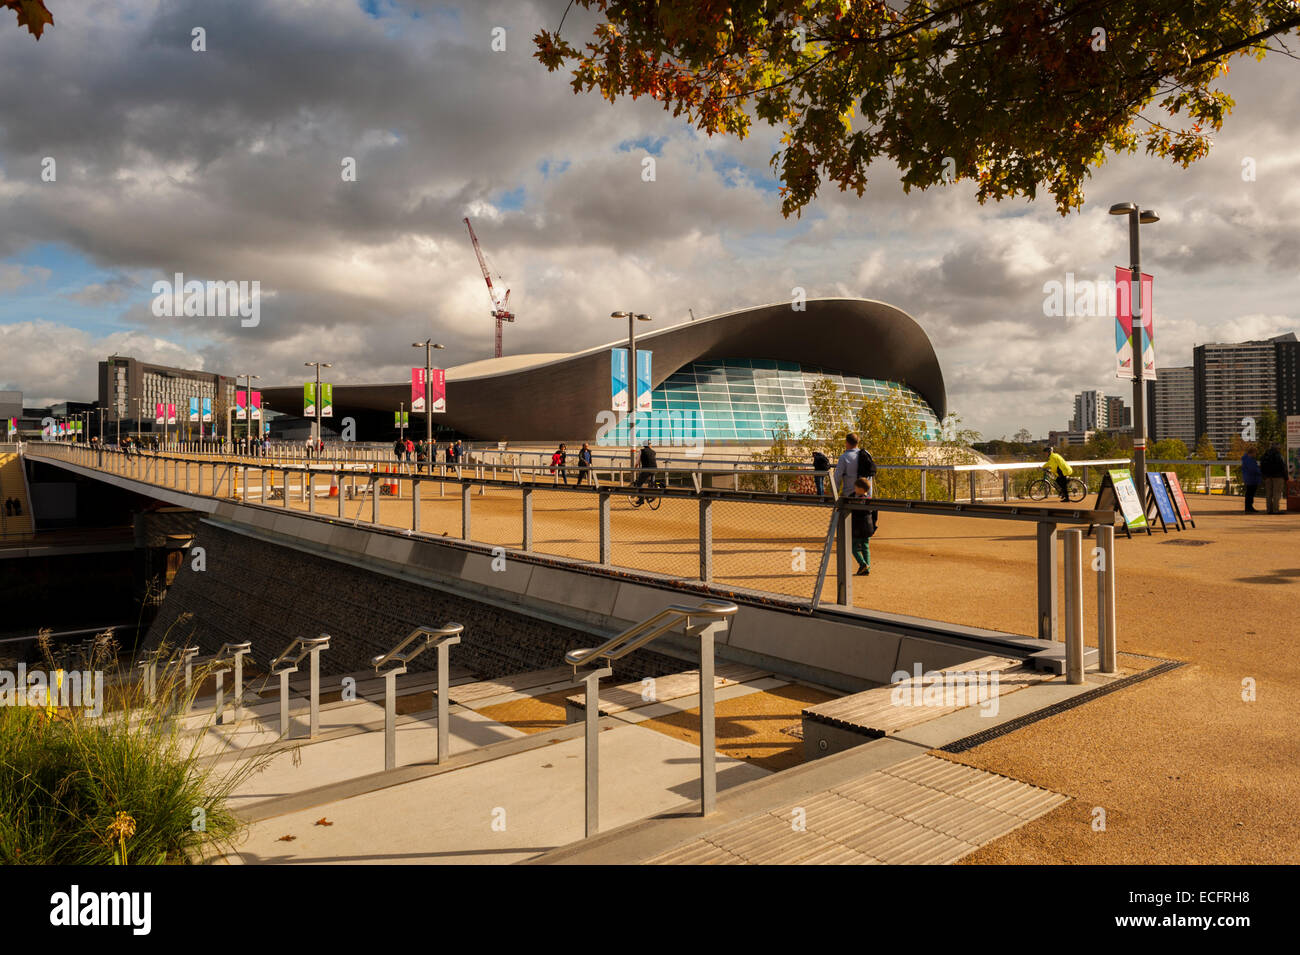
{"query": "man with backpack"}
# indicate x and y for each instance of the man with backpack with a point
(854, 463)
(399, 448)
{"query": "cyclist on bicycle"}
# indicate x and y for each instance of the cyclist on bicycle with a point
(1061, 471)
(647, 467)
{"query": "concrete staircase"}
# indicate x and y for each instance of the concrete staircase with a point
(13, 485)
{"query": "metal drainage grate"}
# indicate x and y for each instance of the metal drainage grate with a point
(970, 742)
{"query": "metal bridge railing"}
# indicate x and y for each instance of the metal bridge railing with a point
(287, 663)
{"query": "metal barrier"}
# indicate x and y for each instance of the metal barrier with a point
(230, 656)
(442, 638)
(287, 663)
(713, 611)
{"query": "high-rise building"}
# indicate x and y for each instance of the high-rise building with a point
(1233, 382)
(1174, 405)
(1118, 414)
(123, 380)
(1286, 369)
(1090, 409)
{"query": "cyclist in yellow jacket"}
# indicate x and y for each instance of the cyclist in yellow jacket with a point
(1056, 466)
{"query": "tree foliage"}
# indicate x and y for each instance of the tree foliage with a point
(32, 14)
(1009, 94)
(1205, 449)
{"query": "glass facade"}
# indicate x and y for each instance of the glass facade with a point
(745, 400)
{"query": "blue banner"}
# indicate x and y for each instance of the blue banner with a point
(207, 410)
(194, 409)
(643, 379)
(618, 378)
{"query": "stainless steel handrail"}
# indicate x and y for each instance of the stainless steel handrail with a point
(442, 638)
(289, 664)
(635, 637)
(638, 636)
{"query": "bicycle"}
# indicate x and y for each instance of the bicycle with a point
(1039, 490)
(653, 503)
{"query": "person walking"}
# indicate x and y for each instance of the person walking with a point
(1251, 477)
(1273, 467)
(853, 464)
(1061, 471)
(460, 452)
(863, 526)
(584, 464)
(821, 467)
(399, 448)
(409, 448)
(558, 460)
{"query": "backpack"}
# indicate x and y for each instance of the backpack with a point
(821, 462)
(866, 466)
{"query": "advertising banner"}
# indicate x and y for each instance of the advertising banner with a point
(1127, 496)
(326, 399)
(194, 409)
(618, 378)
(1293, 446)
(309, 400)
(643, 380)
(1124, 324)
(158, 418)
(207, 410)
(1176, 490)
(257, 405)
(438, 390)
(1161, 495)
(401, 419)
(171, 414)
(241, 405)
(417, 390)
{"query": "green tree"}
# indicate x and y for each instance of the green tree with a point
(1170, 449)
(1205, 449)
(1270, 429)
(1007, 94)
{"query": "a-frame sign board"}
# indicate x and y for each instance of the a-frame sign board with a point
(1118, 494)
(1180, 502)
(1160, 505)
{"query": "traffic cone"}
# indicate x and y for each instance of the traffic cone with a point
(334, 485)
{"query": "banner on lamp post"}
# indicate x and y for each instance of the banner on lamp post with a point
(241, 405)
(171, 414)
(417, 390)
(207, 410)
(618, 379)
(257, 405)
(159, 417)
(309, 400)
(438, 390)
(194, 409)
(643, 380)
(1124, 324)
(326, 399)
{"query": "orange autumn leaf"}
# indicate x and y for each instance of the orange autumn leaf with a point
(286, 839)
(32, 14)
(323, 822)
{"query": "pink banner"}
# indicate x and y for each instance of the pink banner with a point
(257, 405)
(171, 414)
(417, 390)
(159, 419)
(1124, 324)
(241, 402)
(438, 390)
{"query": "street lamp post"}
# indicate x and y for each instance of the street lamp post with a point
(632, 319)
(428, 347)
(318, 365)
(248, 409)
(1137, 217)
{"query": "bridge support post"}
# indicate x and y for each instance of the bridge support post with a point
(465, 498)
(264, 499)
(314, 688)
(1006, 486)
(284, 701)
(706, 540)
(343, 490)
(309, 488)
(528, 518)
(444, 701)
(923, 484)
(606, 544)
(971, 475)
(843, 559)
(1073, 540)
(708, 728)
(1107, 649)
(374, 497)
(1048, 604)
(415, 503)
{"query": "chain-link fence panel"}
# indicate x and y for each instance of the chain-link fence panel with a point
(774, 548)
(659, 535)
(566, 523)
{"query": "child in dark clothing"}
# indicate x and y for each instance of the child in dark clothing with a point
(863, 526)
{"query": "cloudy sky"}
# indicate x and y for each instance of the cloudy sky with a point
(226, 165)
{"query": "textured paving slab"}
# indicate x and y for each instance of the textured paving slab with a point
(923, 811)
(627, 696)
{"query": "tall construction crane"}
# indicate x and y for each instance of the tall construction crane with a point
(500, 308)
